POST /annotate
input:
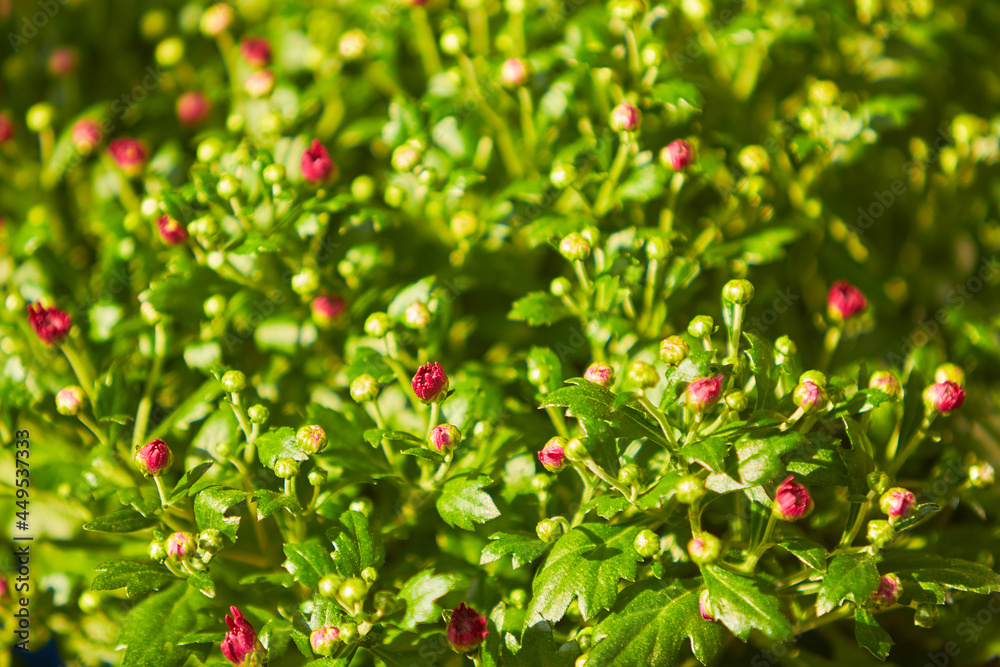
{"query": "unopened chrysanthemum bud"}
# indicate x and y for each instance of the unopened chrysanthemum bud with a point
(464, 224)
(690, 490)
(369, 574)
(180, 546)
(430, 383)
(316, 165)
(157, 551)
(40, 116)
(844, 301)
(327, 310)
(705, 606)
(329, 585)
(234, 382)
(785, 346)
(878, 482)
(880, 533)
(70, 401)
(241, 645)
(562, 173)
(576, 451)
(792, 500)
(627, 10)
(816, 377)
(897, 503)
(305, 282)
(273, 173)
(259, 84)
(549, 530)
(574, 247)
(466, 629)
(513, 73)
(625, 118)
(981, 475)
(950, 373)
(601, 374)
(678, 155)
(445, 437)
(311, 438)
(736, 400)
(738, 292)
(210, 540)
(642, 375)
(629, 474)
(256, 51)
(378, 325)
(353, 589)
(809, 396)
(258, 414)
(647, 543)
(560, 286)
(216, 19)
(454, 40)
(704, 548)
(154, 459)
(130, 155)
(943, 397)
(889, 589)
(286, 468)
(406, 156)
(365, 388)
(926, 615)
(86, 135)
(214, 305)
(701, 326)
(887, 383)
(228, 186)
(192, 108)
(417, 315)
(348, 631)
(674, 350)
(553, 455)
(317, 477)
(171, 231)
(323, 640)
(703, 393)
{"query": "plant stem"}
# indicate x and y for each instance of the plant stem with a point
(765, 544)
(426, 41)
(908, 449)
(433, 419)
(632, 43)
(830, 343)
(558, 421)
(81, 368)
(162, 490)
(146, 402)
(662, 421)
(603, 203)
(94, 428)
(588, 493)
(528, 127)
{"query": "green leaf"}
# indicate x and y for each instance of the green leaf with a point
(188, 480)
(761, 355)
(463, 502)
(677, 93)
(203, 583)
(426, 454)
(420, 591)
(308, 562)
(870, 634)
(709, 453)
(357, 546)
(913, 406)
(211, 506)
(145, 499)
(152, 631)
(544, 364)
(808, 552)
(664, 490)
(374, 436)
(651, 623)
(585, 563)
(861, 401)
(269, 502)
(125, 520)
(419, 291)
(927, 568)
(538, 308)
(644, 184)
(367, 361)
(608, 505)
(759, 454)
(136, 577)
(850, 577)
(279, 443)
(522, 547)
(221, 428)
(743, 604)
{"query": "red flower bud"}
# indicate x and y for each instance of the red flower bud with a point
(445, 437)
(260, 83)
(553, 455)
(317, 166)
(513, 72)
(704, 548)
(70, 401)
(51, 324)
(154, 459)
(180, 546)
(63, 61)
(171, 231)
(897, 503)
(678, 154)
(601, 374)
(888, 591)
(256, 51)
(323, 640)
(6, 127)
(844, 301)
(129, 154)
(430, 383)
(241, 646)
(466, 629)
(792, 500)
(4, 587)
(625, 118)
(944, 397)
(702, 394)
(886, 382)
(704, 606)
(326, 309)
(809, 396)
(192, 108)
(86, 135)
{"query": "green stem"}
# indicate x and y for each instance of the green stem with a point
(661, 419)
(426, 42)
(528, 127)
(94, 428)
(82, 370)
(162, 490)
(603, 203)
(608, 479)
(735, 330)
(433, 420)
(581, 275)
(830, 343)
(588, 493)
(146, 402)
(910, 447)
(558, 421)
(632, 43)
(649, 291)
(241, 416)
(390, 458)
(765, 544)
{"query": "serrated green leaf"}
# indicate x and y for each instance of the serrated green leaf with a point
(538, 308)
(664, 490)
(808, 552)
(931, 568)
(851, 577)
(136, 577)
(761, 354)
(221, 428)
(425, 454)
(152, 631)
(357, 546)
(279, 443)
(125, 520)
(522, 547)
(211, 506)
(759, 454)
(203, 583)
(269, 502)
(644, 184)
(870, 634)
(188, 480)
(710, 453)
(463, 502)
(374, 436)
(420, 591)
(308, 562)
(743, 604)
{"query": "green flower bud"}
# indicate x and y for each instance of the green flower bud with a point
(464, 225)
(704, 548)
(70, 401)
(647, 543)
(362, 505)
(574, 247)
(363, 187)
(785, 346)
(305, 282)
(365, 389)
(406, 156)
(210, 540)
(317, 477)
(369, 574)
(234, 382)
(258, 414)
(157, 551)
(657, 248)
(737, 292)
(878, 482)
(560, 287)
(576, 451)
(40, 116)
(89, 602)
(453, 40)
(549, 530)
(417, 316)
(311, 438)
(519, 597)
(950, 373)
(981, 475)
(627, 10)
(736, 400)
(562, 174)
(286, 468)
(329, 585)
(926, 615)
(809, 396)
(887, 383)
(214, 305)
(348, 631)
(628, 474)
(353, 589)
(881, 533)
(377, 325)
(273, 174)
(690, 489)
(642, 375)
(674, 350)
(228, 186)
(816, 377)
(701, 327)
(209, 150)
(383, 602)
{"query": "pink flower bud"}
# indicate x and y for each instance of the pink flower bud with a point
(601, 374)
(792, 500)
(260, 83)
(702, 394)
(417, 315)
(430, 383)
(4, 587)
(445, 437)
(129, 154)
(944, 397)
(888, 592)
(70, 401)
(180, 546)
(809, 396)
(466, 629)
(513, 73)
(323, 640)
(154, 459)
(256, 51)
(241, 646)
(326, 309)
(192, 108)
(51, 324)
(886, 382)
(171, 231)
(317, 167)
(678, 154)
(625, 118)
(704, 548)
(553, 455)
(897, 503)
(704, 606)
(86, 135)
(6, 127)
(844, 301)
(216, 19)
(63, 61)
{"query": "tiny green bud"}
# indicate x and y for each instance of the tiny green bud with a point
(311, 439)
(89, 602)
(880, 533)
(157, 551)
(305, 282)
(816, 377)
(362, 505)
(878, 482)
(562, 174)
(674, 350)
(258, 414)
(519, 597)
(234, 382)
(209, 150)
(273, 174)
(576, 451)
(642, 375)
(214, 305)
(228, 186)
(657, 248)
(365, 389)
(464, 225)
(353, 589)
(574, 247)
(210, 540)
(383, 602)
(647, 543)
(317, 477)
(627, 10)
(981, 475)
(704, 548)
(738, 292)
(628, 474)
(369, 574)
(701, 326)
(286, 468)
(549, 530)
(690, 489)
(377, 325)
(40, 116)
(736, 400)
(785, 346)
(329, 585)
(560, 286)
(363, 187)
(950, 373)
